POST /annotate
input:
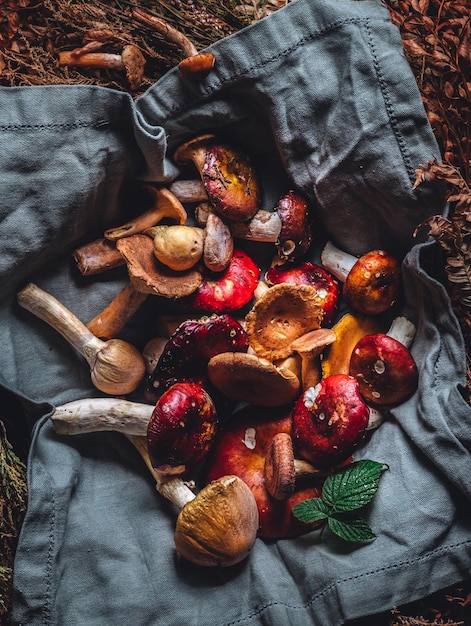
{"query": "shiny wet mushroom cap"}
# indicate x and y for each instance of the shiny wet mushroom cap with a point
(384, 368)
(229, 177)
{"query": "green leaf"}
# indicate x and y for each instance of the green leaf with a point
(351, 529)
(310, 511)
(353, 486)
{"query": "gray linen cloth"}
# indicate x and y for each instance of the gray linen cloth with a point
(322, 97)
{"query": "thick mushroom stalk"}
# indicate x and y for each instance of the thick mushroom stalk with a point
(116, 367)
(282, 469)
(309, 347)
(179, 247)
(383, 366)
(216, 527)
(371, 283)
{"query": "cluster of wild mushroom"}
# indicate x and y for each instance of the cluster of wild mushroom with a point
(301, 388)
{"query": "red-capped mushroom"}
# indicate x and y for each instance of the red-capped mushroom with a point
(187, 352)
(228, 290)
(241, 448)
(181, 429)
(295, 237)
(382, 364)
(307, 273)
(229, 177)
(371, 283)
(330, 420)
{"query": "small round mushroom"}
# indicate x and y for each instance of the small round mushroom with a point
(249, 378)
(282, 314)
(179, 247)
(229, 177)
(307, 273)
(330, 420)
(181, 429)
(383, 365)
(149, 276)
(219, 527)
(371, 283)
(295, 237)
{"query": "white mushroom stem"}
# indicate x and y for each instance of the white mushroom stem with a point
(263, 227)
(172, 488)
(337, 261)
(102, 414)
(188, 191)
(129, 418)
(402, 330)
(376, 418)
(116, 366)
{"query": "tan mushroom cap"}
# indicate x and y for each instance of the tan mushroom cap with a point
(149, 276)
(248, 378)
(283, 313)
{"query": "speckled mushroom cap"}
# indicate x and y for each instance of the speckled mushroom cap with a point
(372, 285)
(281, 315)
(230, 180)
(384, 368)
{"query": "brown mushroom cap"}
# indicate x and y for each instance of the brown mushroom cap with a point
(248, 378)
(384, 368)
(373, 283)
(197, 66)
(281, 315)
(149, 276)
(218, 527)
